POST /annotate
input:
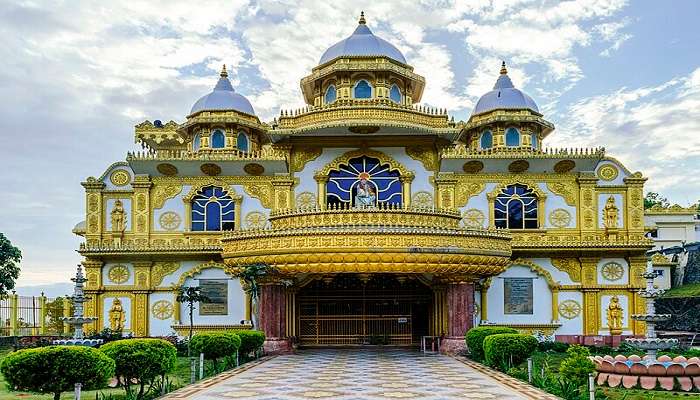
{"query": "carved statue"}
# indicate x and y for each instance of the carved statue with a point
(615, 316)
(610, 213)
(366, 195)
(117, 317)
(118, 217)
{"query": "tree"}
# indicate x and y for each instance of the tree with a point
(9, 270)
(250, 275)
(654, 199)
(190, 295)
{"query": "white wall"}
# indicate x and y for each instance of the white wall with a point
(542, 299)
(236, 300)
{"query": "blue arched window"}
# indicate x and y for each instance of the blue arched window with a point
(242, 141)
(196, 142)
(384, 182)
(218, 140)
(486, 140)
(533, 140)
(395, 94)
(362, 90)
(213, 210)
(330, 94)
(512, 137)
(516, 208)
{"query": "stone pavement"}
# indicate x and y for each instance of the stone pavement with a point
(359, 374)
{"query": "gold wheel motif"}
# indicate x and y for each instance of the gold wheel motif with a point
(612, 271)
(607, 172)
(119, 177)
(473, 218)
(255, 220)
(560, 218)
(306, 200)
(422, 200)
(569, 309)
(162, 309)
(169, 221)
(118, 274)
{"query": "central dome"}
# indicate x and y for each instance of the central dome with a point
(504, 96)
(362, 43)
(223, 98)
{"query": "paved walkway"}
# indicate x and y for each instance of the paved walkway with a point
(358, 374)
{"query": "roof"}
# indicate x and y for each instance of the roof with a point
(504, 96)
(223, 98)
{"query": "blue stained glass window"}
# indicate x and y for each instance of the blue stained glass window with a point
(363, 90)
(330, 94)
(343, 183)
(516, 208)
(395, 94)
(486, 140)
(196, 142)
(533, 140)
(213, 210)
(242, 141)
(512, 137)
(218, 140)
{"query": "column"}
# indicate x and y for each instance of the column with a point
(460, 306)
(273, 313)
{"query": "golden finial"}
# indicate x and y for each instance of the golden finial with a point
(223, 73)
(503, 68)
(362, 18)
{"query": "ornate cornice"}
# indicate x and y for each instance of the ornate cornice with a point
(460, 151)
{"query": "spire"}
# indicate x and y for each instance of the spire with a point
(362, 18)
(223, 73)
(504, 71)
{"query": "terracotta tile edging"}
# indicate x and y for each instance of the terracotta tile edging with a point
(523, 388)
(193, 389)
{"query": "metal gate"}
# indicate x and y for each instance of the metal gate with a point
(381, 310)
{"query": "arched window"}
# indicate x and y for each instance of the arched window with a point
(242, 141)
(213, 210)
(486, 140)
(395, 94)
(533, 140)
(196, 142)
(362, 90)
(512, 137)
(330, 94)
(364, 176)
(218, 140)
(516, 208)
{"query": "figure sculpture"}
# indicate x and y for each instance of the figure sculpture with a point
(610, 213)
(118, 217)
(615, 316)
(117, 317)
(365, 195)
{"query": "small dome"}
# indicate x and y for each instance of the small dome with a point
(504, 96)
(362, 42)
(223, 98)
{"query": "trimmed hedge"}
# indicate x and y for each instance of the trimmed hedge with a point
(215, 345)
(141, 360)
(56, 369)
(475, 338)
(250, 341)
(505, 350)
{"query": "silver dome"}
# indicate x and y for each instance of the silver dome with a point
(223, 98)
(504, 96)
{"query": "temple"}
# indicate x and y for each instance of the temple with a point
(378, 220)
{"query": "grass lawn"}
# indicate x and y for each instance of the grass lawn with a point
(689, 290)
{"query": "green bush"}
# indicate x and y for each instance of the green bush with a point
(475, 339)
(556, 347)
(250, 341)
(505, 350)
(56, 369)
(142, 361)
(576, 367)
(216, 345)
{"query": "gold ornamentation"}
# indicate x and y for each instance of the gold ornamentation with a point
(161, 193)
(612, 271)
(162, 309)
(607, 172)
(306, 200)
(423, 200)
(262, 192)
(198, 270)
(610, 213)
(569, 265)
(467, 190)
(301, 156)
(615, 313)
(118, 217)
(472, 167)
(167, 169)
(119, 274)
(538, 269)
(426, 156)
(564, 166)
(383, 159)
(383, 215)
(567, 190)
(559, 218)
(660, 259)
(518, 166)
(120, 177)
(161, 269)
(117, 316)
(170, 220)
(569, 309)
(210, 169)
(253, 169)
(255, 220)
(473, 218)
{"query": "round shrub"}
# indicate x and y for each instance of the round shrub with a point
(250, 340)
(141, 360)
(476, 336)
(56, 369)
(576, 367)
(216, 345)
(505, 350)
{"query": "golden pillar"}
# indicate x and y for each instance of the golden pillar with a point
(446, 184)
(141, 224)
(139, 313)
(634, 212)
(93, 211)
(282, 194)
(322, 200)
(588, 211)
(406, 189)
(555, 305)
(591, 316)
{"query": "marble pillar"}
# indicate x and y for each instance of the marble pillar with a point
(273, 312)
(460, 310)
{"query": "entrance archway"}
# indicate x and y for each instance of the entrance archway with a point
(363, 309)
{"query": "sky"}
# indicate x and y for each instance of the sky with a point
(76, 76)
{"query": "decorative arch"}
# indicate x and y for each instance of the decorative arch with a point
(330, 94)
(198, 270)
(541, 197)
(382, 157)
(197, 187)
(538, 269)
(364, 88)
